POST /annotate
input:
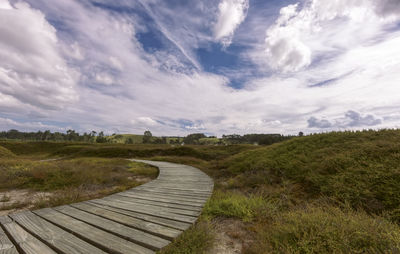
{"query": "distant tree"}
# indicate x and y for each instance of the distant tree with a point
(147, 137)
(100, 138)
(301, 134)
(129, 141)
(193, 138)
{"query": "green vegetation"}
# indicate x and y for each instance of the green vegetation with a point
(326, 229)
(326, 193)
(66, 180)
(235, 205)
(67, 173)
(197, 239)
(5, 153)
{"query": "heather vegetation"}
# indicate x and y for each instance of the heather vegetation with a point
(325, 193)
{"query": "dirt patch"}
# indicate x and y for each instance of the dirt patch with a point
(230, 236)
(20, 200)
(140, 179)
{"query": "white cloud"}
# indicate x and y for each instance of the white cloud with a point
(231, 14)
(144, 121)
(304, 33)
(32, 69)
(4, 4)
(105, 79)
(156, 95)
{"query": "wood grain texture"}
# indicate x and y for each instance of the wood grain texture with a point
(102, 239)
(142, 238)
(6, 246)
(145, 226)
(140, 220)
(54, 236)
(24, 240)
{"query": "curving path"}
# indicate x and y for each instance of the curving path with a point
(141, 220)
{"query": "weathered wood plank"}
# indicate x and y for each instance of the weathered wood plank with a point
(91, 234)
(129, 200)
(59, 239)
(163, 204)
(167, 195)
(135, 208)
(177, 193)
(145, 217)
(6, 246)
(24, 240)
(149, 227)
(160, 200)
(171, 193)
(207, 192)
(139, 237)
(163, 198)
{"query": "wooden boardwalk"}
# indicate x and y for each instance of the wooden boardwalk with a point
(141, 220)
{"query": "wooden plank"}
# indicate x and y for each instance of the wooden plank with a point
(207, 192)
(139, 237)
(6, 246)
(134, 208)
(52, 235)
(163, 204)
(131, 201)
(178, 193)
(102, 239)
(145, 217)
(171, 193)
(27, 243)
(159, 201)
(163, 198)
(189, 188)
(167, 195)
(149, 227)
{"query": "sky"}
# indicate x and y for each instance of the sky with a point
(176, 67)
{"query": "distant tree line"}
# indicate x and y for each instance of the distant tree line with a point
(47, 135)
(260, 139)
(148, 138)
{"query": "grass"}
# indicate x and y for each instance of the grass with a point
(5, 153)
(325, 193)
(235, 205)
(60, 174)
(67, 180)
(326, 229)
(328, 193)
(198, 239)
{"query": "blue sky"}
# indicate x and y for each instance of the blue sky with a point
(214, 66)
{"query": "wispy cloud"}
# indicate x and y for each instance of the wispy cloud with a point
(86, 67)
(231, 13)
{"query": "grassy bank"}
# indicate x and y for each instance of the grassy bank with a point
(325, 193)
(65, 180)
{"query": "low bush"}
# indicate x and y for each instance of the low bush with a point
(326, 229)
(5, 153)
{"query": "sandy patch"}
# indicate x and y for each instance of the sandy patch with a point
(21, 199)
(230, 236)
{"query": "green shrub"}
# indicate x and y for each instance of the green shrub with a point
(198, 239)
(326, 230)
(5, 153)
(360, 168)
(236, 205)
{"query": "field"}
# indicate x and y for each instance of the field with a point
(324, 193)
